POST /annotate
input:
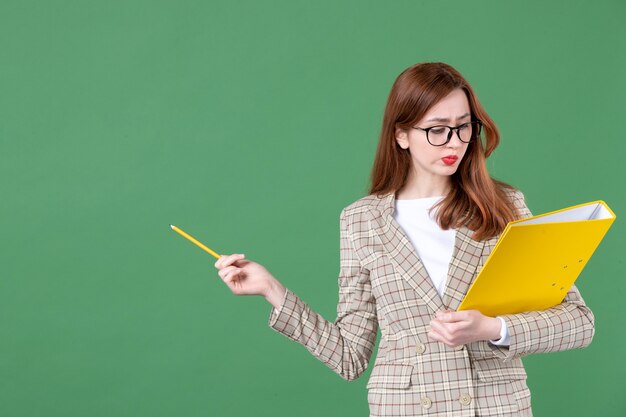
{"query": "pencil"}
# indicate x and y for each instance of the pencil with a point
(185, 235)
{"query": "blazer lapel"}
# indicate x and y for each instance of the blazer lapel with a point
(403, 255)
(466, 258)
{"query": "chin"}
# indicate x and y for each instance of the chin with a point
(450, 168)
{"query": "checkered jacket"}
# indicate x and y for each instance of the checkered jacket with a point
(383, 284)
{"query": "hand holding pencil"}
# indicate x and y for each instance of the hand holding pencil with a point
(242, 276)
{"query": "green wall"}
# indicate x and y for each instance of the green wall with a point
(250, 125)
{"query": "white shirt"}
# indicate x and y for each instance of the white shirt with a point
(433, 245)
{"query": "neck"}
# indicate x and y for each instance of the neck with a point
(427, 187)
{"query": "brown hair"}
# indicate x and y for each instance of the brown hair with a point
(475, 200)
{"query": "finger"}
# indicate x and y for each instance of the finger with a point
(451, 316)
(434, 335)
(231, 276)
(220, 261)
(227, 260)
(440, 329)
(449, 331)
(223, 273)
(453, 328)
(444, 316)
(464, 315)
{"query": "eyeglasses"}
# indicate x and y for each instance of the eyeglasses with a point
(440, 135)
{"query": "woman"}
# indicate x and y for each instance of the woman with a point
(409, 252)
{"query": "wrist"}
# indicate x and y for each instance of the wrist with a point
(494, 325)
(275, 293)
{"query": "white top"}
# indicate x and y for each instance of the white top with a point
(434, 246)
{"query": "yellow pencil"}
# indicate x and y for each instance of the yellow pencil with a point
(185, 235)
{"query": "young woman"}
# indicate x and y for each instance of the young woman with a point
(409, 252)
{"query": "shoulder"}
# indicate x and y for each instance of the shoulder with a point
(517, 199)
(365, 204)
(360, 213)
(513, 194)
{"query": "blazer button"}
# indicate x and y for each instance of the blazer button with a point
(465, 399)
(459, 347)
(420, 348)
(426, 402)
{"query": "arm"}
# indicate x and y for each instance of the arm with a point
(346, 345)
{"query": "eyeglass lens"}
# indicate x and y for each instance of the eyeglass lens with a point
(439, 135)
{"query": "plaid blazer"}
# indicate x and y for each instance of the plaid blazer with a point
(383, 284)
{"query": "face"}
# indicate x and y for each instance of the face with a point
(429, 161)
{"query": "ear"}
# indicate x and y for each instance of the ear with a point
(402, 138)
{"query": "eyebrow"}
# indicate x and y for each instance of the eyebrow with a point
(444, 119)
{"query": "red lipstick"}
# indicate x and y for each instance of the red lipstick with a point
(450, 159)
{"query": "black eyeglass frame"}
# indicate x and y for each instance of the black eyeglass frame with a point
(458, 135)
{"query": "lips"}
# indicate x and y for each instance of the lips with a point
(450, 159)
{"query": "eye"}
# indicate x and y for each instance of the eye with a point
(437, 130)
(464, 126)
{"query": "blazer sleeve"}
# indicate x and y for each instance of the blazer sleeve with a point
(346, 345)
(568, 325)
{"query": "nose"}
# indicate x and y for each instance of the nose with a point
(454, 141)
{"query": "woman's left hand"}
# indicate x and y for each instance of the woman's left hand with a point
(455, 328)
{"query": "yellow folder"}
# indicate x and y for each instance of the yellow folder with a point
(536, 260)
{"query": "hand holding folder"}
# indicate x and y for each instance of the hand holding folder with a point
(536, 260)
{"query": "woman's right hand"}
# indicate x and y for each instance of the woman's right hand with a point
(245, 277)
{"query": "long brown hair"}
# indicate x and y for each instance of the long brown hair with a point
(475, 200)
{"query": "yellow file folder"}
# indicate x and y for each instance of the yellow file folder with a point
(536, 260)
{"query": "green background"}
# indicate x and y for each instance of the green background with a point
(251, 125)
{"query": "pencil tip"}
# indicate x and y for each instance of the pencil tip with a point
(171, 226)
